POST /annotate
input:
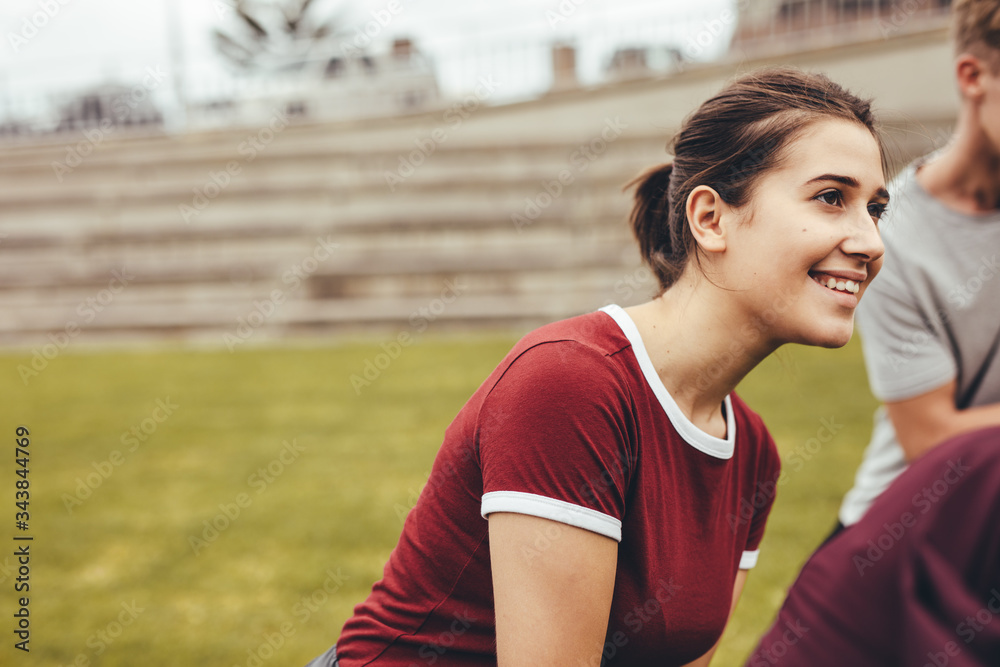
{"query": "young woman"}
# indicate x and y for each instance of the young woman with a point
(602, 495)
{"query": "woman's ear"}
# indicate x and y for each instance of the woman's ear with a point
(704, 214)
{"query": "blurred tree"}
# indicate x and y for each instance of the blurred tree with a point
(267, 34)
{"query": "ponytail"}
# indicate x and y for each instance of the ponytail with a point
(661, 247)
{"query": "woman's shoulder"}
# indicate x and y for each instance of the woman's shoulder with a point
(574, 358)
(596, 330)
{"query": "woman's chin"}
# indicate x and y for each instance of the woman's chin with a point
(833, 336)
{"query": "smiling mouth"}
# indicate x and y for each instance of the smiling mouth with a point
(836, 284)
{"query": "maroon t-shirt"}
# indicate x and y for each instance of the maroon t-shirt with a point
(575, 426)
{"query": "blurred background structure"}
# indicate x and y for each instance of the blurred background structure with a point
(312, 169)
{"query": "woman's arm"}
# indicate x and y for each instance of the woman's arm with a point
(552, 585)
(924, 421)
(741, 579)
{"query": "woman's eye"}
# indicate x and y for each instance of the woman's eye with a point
(877, 210)
(831, 197)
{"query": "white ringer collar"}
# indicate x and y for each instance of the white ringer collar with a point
(694, 436)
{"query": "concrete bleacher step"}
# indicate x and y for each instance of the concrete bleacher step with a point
(360, 137)
(203, 187)
(484, 162)
(490, 217)
(317, 261)
(512, 211)
(476, 300)
(416, 229)
(70, 197)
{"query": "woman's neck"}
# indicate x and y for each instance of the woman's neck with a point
(698, 348)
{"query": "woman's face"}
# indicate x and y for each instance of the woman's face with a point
(806, 246)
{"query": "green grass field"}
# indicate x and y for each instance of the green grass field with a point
(125, 572)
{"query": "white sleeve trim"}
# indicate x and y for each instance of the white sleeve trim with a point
(555, 510)
(749, 559)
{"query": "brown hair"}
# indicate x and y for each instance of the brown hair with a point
(728, 144)
(975, 25)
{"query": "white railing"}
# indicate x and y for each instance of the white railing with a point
(793, 23)
(528, 66)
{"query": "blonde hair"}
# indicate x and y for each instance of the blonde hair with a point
(976, 29)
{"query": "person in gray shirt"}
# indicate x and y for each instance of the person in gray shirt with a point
(930, 325)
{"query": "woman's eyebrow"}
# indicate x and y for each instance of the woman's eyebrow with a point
(849, 181)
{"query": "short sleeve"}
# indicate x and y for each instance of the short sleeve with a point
(554, 441)
(904, 352)
(766, 490)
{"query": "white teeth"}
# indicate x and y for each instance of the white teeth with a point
(848, 286)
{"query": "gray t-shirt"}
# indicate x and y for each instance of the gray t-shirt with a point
(931, 315)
